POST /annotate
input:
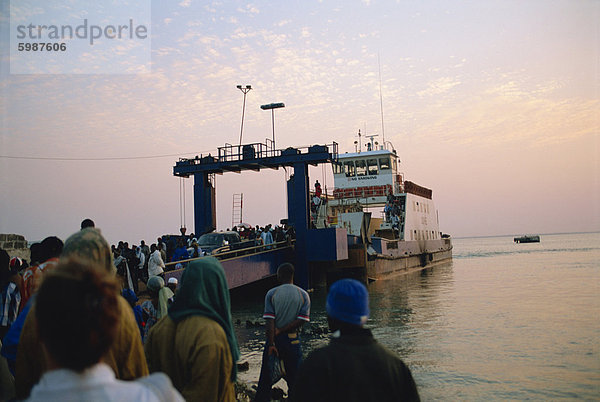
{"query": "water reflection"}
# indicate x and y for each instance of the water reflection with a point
(407, 311)
(502, 321)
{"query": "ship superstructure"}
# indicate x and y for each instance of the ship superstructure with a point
(390, 218)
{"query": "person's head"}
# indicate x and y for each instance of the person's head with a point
(347, 304)
(204, 291)
(51, 247)
(142, 243)
(172, 284)
(153, 247)
(154, 284)
(87, 223)
(77, 313)
(16, 264)
(89, 245)
(130, 296)
(285, 273)
(35, 253)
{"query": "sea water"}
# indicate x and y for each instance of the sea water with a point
(501, 321)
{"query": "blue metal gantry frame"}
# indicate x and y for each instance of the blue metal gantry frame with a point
(257, 156)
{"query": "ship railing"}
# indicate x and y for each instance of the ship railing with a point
(257, 150)
(227, 255)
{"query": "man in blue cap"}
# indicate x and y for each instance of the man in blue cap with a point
(354, 366)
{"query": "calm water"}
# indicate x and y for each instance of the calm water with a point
(501, 321)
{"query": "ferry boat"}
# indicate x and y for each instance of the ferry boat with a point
(392, 224)
(337, 234)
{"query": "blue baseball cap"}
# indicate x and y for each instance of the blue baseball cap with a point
(348, 301)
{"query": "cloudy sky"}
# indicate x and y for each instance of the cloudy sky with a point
(495, 105)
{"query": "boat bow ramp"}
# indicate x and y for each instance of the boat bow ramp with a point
(328, 244)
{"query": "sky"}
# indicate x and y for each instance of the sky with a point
(494, 105)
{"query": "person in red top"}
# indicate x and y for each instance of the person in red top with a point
(317, 189)
(50, 249)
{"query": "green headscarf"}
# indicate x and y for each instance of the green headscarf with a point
(204, 292)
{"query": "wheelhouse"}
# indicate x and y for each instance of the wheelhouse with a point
(366, 174)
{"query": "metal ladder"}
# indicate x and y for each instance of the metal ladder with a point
(236, 210)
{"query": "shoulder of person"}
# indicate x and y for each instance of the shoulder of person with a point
(161, 386)
(303, 292)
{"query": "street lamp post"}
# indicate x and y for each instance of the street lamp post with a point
(272, 107)
(245, 90)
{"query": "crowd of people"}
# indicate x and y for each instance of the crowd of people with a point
(393, 210)
(71, 330)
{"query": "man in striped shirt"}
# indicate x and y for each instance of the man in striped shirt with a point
(287, 308)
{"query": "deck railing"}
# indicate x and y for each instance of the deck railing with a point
(227, 255)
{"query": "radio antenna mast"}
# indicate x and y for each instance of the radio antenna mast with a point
(381, 102)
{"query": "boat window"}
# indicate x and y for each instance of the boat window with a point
(337, 168)
(349, 167)
(384, 163)
(361, 168)
(394, 165)
(372, 166)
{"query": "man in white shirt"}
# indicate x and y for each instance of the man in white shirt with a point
(156, 266)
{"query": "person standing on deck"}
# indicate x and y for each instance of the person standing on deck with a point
(287, 308)
(141, 273)
(354, 366)
(181, 252)
(146, 251)
(156, 265)
(266, 236)
(162, 249)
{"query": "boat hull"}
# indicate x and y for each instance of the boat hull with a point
(383, 266)
(394, 257)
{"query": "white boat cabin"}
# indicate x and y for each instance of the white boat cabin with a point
(370, 176)
(371, 180)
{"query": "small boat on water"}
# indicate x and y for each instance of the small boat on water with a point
(527, 239)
